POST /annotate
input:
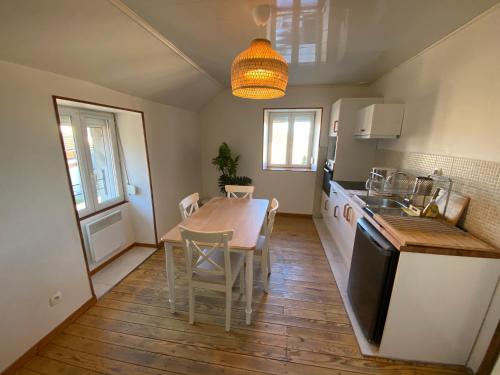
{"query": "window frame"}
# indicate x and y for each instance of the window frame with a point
(84, 158)
(313, 142)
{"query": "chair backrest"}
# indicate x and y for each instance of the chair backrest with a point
(199, 248)
(239, 191)
(270, 220)
(189, 205)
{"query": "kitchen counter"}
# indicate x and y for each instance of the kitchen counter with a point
(423, 235)
(433, 236)
(443, 285)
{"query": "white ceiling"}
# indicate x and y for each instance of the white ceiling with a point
(331, 41)
(126, 45)
(94, 40)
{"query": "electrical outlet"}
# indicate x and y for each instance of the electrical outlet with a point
(131, 189)
(55, 299)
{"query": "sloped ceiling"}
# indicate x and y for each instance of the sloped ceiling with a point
(324, 41)
(179, 52)
(99, 41)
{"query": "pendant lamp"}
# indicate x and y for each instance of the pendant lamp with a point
(259, 72)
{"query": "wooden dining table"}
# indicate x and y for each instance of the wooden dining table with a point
(244, 216)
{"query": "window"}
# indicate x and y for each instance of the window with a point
(291, 138)
(89, 139)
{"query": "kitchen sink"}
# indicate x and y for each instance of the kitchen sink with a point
(381, 202)
(383, 206)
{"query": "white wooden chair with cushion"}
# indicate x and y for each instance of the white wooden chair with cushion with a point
(189, 205)
(262, 249)
(239, 192)
(211, 265)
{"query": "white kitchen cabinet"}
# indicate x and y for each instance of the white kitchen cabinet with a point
(334, 203)
(439, 308)
(440, 332)
(353, 157)
(350, 217)
(326, 209)
(344, 110)
(379, 121)
(335, 118)
(342, 222)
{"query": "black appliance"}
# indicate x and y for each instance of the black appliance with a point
(352, 185)
(373, 267)
(327, 177)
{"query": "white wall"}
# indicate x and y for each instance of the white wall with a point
(451, 93)
(40, 246)
(239, 122)
(174, 148)
(134, 162)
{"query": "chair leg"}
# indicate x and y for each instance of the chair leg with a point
(242, 280)
(268, 262)
(264, 265)
(191, 304)
(229, 293)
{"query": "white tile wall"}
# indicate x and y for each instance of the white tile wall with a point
(477, 179)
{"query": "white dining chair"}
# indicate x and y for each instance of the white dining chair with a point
(189, 205)
(210, 264)
(262, 248)
(239, 191)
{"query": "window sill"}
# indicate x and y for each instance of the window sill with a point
(289, 169)
(102, 210)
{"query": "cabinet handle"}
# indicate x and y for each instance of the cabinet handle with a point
(335, 211)
(348, 215)
(345, 208)
(326, 205)
(363, 130)
(335, 126)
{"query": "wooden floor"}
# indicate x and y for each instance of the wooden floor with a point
(299, 328)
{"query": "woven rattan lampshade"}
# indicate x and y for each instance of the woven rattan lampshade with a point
(259, 72)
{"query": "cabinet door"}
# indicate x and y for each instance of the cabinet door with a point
(342, 231)
(350, 224)
(335, 215)
(326, 210)
(334, 119)
(364, 120)
(346, 227)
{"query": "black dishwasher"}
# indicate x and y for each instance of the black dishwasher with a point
(373, 267)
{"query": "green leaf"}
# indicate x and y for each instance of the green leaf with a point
(227, 165)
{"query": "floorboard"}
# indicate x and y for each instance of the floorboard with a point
(300, 327)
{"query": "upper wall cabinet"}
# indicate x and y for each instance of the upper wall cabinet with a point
(334, 118)
(344, 112)
(379, 121)
(353, 158)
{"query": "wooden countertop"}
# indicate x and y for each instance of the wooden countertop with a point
(431, 236)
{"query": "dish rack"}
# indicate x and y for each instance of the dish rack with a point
(417, 191)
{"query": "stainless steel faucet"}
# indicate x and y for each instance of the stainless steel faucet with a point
(389, 179)
(407, 198)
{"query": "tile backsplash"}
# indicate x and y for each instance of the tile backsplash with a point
(477, 179)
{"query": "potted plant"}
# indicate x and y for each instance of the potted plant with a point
(227, 164)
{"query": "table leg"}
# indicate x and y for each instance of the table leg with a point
(170, 268)
(249, 286)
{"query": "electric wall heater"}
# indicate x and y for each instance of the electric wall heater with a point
(105, 235)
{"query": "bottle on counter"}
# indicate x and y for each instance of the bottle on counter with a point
(432, 209)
